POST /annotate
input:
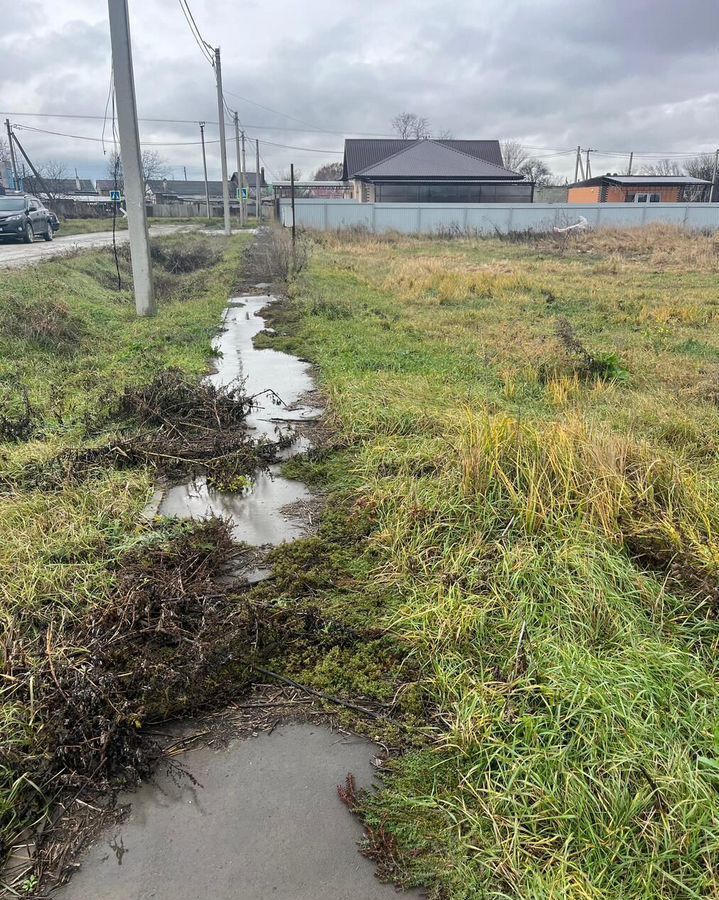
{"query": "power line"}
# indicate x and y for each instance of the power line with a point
(205, 48)
(84, 137)
(277, 112)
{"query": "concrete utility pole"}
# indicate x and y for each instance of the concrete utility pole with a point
(13, 161)
(239, 164)
(223, 142)
(40, 181)
(204, 166)
(588, 167)
(244, 181)
(714, 177)
(577, 164)
(258, 183)
(294, 230)
(134, 179)
(631, 160)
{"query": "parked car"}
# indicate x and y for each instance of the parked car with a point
(54, 221)
(23, 217)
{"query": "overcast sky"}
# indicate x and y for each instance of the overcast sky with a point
(614, 75)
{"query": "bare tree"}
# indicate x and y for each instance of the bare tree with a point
(514, 155)
(662, 167)
(701, 166)
(444, 135)
(154, 167)
(286, 174)
(329, 172)
(5, 161)
(537, 171)
(410, 126)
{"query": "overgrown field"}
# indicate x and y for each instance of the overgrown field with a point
(106, 621)
(527, 485)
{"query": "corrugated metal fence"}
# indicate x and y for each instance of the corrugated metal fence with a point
(490, 218)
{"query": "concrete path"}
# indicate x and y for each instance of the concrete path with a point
(14, 256)
(265, 824)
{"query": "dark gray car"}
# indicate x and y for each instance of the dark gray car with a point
(23, 217)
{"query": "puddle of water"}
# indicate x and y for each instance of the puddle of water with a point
(257, 513)
(261, 822)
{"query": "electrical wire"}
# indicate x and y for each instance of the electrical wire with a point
(205, 48)
(275, 111)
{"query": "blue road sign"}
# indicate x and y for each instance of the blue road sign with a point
(116, 196)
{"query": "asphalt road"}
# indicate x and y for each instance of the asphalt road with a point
(14, 256)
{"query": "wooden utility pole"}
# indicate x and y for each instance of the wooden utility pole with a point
(243, 163)
(204, 167)
(258, 183)
(223, 141)
(239, 164)
(714, 177)
(631, 160)
(134, 179)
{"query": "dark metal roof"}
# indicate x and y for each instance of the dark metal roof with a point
(361, 153)
(629, 180)
(60, 185)
(432, 159)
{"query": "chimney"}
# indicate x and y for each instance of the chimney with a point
(262, 175)
(164, 185)
(78, 186)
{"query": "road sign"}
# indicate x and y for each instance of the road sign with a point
(116, 196)
(245, 193)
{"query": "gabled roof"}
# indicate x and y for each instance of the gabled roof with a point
(361, 153)
(60, 185)
(629, 180)
(434, 160)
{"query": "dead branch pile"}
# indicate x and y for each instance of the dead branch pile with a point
(169, 638)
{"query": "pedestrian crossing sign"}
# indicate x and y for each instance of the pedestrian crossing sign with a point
(116, 196)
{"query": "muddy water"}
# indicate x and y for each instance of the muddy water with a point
(259, 819)
(279, 382)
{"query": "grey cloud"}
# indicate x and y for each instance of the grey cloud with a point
(616, 75)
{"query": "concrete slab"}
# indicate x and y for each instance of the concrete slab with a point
(264, 823)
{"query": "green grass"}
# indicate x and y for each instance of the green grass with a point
(69, 227)
(538, 550)
(73, 342)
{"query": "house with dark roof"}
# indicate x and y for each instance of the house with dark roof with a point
(60, 187)
(640, 189)
(431, 171)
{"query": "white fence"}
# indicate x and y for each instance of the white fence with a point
(490, 218)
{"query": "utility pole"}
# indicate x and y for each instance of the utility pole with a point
(714, 177)
(13, 161)
(40, 181)
(184, 169)
(244, 181)
(239, 163)
(258, 183)
(223, 141)
(134, 181)
(204, 166)
(588, 167)
(294, 233)
(631, 160)
(577, 164)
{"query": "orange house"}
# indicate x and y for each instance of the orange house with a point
(640, 189)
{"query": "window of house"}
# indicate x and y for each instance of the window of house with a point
(641, 198)
(654, 198)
